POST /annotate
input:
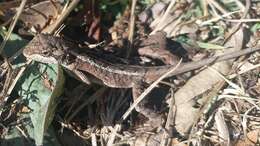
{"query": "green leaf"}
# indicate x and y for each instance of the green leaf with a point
(255, 27)
(210, 46)
(13, 45)
(40, 86)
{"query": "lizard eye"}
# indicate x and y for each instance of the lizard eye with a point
(45, 52)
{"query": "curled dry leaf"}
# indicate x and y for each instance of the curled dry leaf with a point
(252, 139)
(152, 12)
(41, 14)
(186, 114)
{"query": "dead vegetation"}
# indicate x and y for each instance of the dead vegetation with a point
(41, 104)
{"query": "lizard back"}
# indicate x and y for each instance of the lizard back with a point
(50, 49)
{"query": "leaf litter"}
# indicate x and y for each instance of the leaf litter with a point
(214, 105)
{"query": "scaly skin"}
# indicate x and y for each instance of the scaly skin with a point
(49, 49)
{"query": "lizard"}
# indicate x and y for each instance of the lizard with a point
(55, 50)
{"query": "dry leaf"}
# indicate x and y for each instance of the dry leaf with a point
(39, 15)
(186, 114)
(252, 139)
(222, 127)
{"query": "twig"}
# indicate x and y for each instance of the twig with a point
(239, 4)
(10, 30)
(217, 18)
(138, 100)
(86, 102)
(236, 27)
(170, 120)
(216, 5)
(131, 29)
(205, 7)
(165, 16)
(149, 89)
(58, 22)
(185, 67)
(242, 20)
(244, 71)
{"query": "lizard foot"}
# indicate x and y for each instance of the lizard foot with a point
(155, 119)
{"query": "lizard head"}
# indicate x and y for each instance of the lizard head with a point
(45, 48)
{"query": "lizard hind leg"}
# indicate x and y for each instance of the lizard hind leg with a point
(155, 119)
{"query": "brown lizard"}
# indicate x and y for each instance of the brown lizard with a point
(49, 49)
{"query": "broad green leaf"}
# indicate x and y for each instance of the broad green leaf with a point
(210, 46)
(185, 40)
(13, 45)
(40, 86)
(255, 27)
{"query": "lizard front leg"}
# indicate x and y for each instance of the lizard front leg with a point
(79, 75)
(154, 117)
